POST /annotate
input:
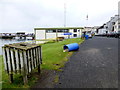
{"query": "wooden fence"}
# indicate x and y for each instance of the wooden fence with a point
(21, 58)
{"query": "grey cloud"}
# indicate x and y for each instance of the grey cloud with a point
(27, 15)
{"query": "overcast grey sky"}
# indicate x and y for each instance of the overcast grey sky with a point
(24, 15)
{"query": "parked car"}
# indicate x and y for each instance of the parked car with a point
(117, 35)
(111, 34)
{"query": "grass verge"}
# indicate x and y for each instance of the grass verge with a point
(53, 59)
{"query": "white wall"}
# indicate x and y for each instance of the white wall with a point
(102, 31)
(50, 35)
(40, 34)
(78, 33)
(62, 35)
(116, 26)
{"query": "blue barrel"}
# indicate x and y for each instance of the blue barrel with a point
(71, 47)
(86, 37)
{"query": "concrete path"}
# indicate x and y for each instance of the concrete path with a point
(95, 65)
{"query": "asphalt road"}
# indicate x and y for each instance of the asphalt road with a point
(95, 65)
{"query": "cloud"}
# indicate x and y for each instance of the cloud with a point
(24, 15)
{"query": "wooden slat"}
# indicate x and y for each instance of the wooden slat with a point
(29, 61)
(17, 59)
(40, 55)
(11, 61)
(21, 61)
(25, 62)
(32, 59)
(5, 59)
(36, 56)
(8, 57)
(12, 58)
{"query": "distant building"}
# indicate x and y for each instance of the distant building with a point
(102, 29)
(110, 26)
(20, 33)
(52, 33)
(95, 30)
(92, 30)
(117, 25)
(87, 29)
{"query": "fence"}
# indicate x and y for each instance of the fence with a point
(21, 58)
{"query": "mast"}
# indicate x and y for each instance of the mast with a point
(64, 14)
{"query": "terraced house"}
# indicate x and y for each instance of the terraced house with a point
(52, 33)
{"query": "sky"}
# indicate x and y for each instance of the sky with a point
(25, 15)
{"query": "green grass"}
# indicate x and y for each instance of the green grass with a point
(53, 58)
(53, 54)
(0, 72)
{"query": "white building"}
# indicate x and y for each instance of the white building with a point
(95, 30)
(102, 29)
(53, 33)
(117, 25)
(88, 29)
(110, 26)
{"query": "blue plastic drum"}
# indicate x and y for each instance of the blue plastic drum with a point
(71, 47)
(86, 37)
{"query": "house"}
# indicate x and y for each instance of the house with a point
(53, 33)
(111, 23)
(95, 30)
(88, 29)
(102, 29)
(109, 26)
(117, 25)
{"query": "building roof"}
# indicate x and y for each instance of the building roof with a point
(59, 28)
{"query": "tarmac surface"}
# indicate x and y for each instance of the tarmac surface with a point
(95, 65)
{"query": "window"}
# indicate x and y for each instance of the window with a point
(119, 27)
(113, 23)
(106, 27)
(50, 31)
(74, 35)
(62, 30)
(59, 30)
(66, 30)
(75, 30)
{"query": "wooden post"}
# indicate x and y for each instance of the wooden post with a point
(11, 78)
(39, 68)
(25, 79)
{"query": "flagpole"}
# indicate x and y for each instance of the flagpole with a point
(64, 14)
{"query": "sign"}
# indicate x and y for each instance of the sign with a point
(67, 33)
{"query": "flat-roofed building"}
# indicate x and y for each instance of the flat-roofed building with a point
(53, 33)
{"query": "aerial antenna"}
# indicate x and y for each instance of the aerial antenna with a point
(64, 13)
